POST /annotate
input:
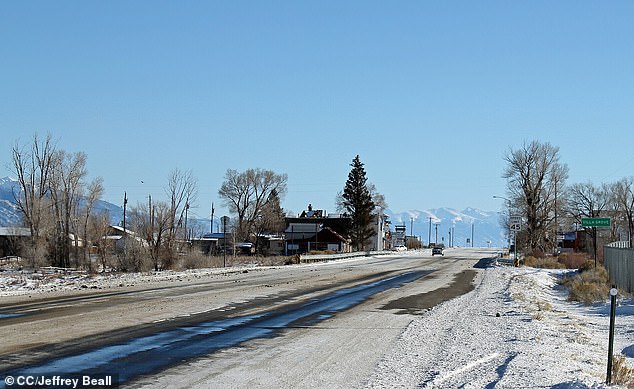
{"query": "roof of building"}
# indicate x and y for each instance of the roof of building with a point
(14, 231)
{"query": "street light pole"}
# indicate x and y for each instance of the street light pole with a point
(508, 202)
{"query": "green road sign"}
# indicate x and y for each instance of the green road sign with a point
(596, 222)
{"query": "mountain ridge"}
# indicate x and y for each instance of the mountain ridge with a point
(469, 226)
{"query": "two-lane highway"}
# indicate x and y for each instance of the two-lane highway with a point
(337, 307)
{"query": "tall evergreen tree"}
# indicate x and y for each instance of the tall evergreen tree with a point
(271, 220)
(357, 201)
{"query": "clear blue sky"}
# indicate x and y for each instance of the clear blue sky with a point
(430, 94)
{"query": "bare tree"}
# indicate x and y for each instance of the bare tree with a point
(245, 194)
(95, 191)
(67, 176)
(97, 228)
(534, 177)
(587, 200)
(271, 219)
(182, 191)
(154, 225)
(33, 169)
(624, 198)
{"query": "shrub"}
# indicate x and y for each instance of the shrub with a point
(537, 254)
(572, 260)
(588, 286)
(544, 263)
(199, 261)
(621, 373)
(587, 265)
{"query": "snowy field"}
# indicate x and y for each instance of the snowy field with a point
(54, 281)
(515, 330)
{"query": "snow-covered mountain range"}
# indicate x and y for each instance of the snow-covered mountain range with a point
(485, 225)
(467, 226)
(10, 215)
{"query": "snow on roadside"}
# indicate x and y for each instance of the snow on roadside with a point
(516, 329)
(14, 283)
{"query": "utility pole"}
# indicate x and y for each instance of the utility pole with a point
(125, 205)
(186, 211)
(211, 230)
(151, 214)
(224, 220)
(429, 240)
(436, 233)
(556, 226)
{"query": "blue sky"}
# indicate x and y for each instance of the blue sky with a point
(430, 94)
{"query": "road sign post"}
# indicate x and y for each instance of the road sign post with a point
(613, 293)
(595, 222)
(515, 225)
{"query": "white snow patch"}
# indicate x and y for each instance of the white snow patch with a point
(516, 329)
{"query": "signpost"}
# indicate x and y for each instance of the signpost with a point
(595, 222)
(613, 293)
(515, 225)
(225, 220)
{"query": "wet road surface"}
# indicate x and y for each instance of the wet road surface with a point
(148, 354)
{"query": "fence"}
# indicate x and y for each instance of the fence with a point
(307, 258)
(619, 261)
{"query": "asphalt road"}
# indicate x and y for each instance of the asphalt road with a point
(40, 330)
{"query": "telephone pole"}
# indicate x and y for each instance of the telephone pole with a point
(186, 211)
(211, 230)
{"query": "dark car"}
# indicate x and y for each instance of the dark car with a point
(436, 250)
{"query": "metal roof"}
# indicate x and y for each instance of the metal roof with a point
(14, 231)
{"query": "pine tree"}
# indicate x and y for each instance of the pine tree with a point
(358, 203)
(272, 220)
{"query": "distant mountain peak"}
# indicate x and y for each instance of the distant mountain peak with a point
(448, 221)
(7, 180)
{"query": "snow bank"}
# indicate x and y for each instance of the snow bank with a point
(13, 283)
(516, 329)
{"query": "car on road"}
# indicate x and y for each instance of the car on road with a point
(436, 250)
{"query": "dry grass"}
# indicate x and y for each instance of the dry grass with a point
(538, 316)
(588, 286)
(543, 262)
(322, 252)
(572, 260)
(201, 261)
(563, 261)
(621, 373)
(544, 306)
